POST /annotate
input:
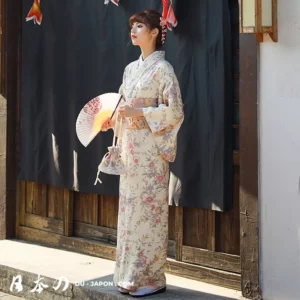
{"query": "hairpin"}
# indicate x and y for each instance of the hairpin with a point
(163, 24)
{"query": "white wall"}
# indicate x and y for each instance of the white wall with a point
(279, 118)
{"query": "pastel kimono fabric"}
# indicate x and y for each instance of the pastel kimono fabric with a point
(147, 144)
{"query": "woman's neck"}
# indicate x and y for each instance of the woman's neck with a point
(146, 51)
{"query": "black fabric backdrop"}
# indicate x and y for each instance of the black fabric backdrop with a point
(81, 50)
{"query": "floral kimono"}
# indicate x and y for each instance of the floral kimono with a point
(147, 144)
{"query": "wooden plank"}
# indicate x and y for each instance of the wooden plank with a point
(17, 206)
(109, 211)
(228, 223)
(95, 217)
(178, 232)
(104, 230)
(68, 212)
(83, 207)
(21, 200)
(171, 222)
(43, 223)
(258, 15)
(40, 206)
(211, 259)
(11, 20)
(108, 235)
(211, 276)
(93, 232)
(31, 194)
(249, 167)
(55, 202)
(36, 198)
(217, 277)
(195, 227)
(69, 243)
(211, 230)
(274, 34)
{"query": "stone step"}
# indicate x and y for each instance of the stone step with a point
(4, 296)
(88, 277)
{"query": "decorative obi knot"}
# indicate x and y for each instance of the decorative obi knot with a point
(140, 122)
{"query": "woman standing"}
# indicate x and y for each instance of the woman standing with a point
(152, 114)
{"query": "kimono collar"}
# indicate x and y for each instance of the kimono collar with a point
(155, 56)
(141, 68)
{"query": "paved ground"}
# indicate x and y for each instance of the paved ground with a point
(95, 275)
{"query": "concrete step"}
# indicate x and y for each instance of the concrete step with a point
(89, 277)
(4, 296)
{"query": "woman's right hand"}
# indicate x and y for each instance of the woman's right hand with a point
(108, 124)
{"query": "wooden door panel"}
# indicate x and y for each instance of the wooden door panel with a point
(86, 208)
(228, 223)
(55, 202)
(109, 211)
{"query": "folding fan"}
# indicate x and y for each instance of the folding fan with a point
(94, 114)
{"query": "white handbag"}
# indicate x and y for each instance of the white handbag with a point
(112, 162)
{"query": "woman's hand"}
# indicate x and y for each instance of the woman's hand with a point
(108, 124)
(126, 111)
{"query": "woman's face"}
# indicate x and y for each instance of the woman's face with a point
(141, 35)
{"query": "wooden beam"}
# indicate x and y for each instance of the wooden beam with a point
(43, 223)
(69, 243)
(249, 167)
(108, 235)
(211, 276)
(93, 232)
(11, 21)
(211, 259)
(274, 34)
(106, 251)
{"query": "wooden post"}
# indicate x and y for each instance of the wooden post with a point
(3, 121)
(11, 16)
(249, 167)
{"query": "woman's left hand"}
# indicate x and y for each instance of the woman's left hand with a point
(126, 111)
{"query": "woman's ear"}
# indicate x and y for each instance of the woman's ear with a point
(155, 32)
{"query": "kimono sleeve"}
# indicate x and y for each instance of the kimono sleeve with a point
(169, 113)
(166, 119)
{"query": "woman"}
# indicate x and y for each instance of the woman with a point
(152, 115)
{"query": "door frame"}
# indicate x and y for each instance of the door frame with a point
(10, 89)
(249, 232)
(10, 83)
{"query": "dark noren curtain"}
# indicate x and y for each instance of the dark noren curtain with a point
(80, 51)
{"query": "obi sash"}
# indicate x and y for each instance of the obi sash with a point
(140, 122)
